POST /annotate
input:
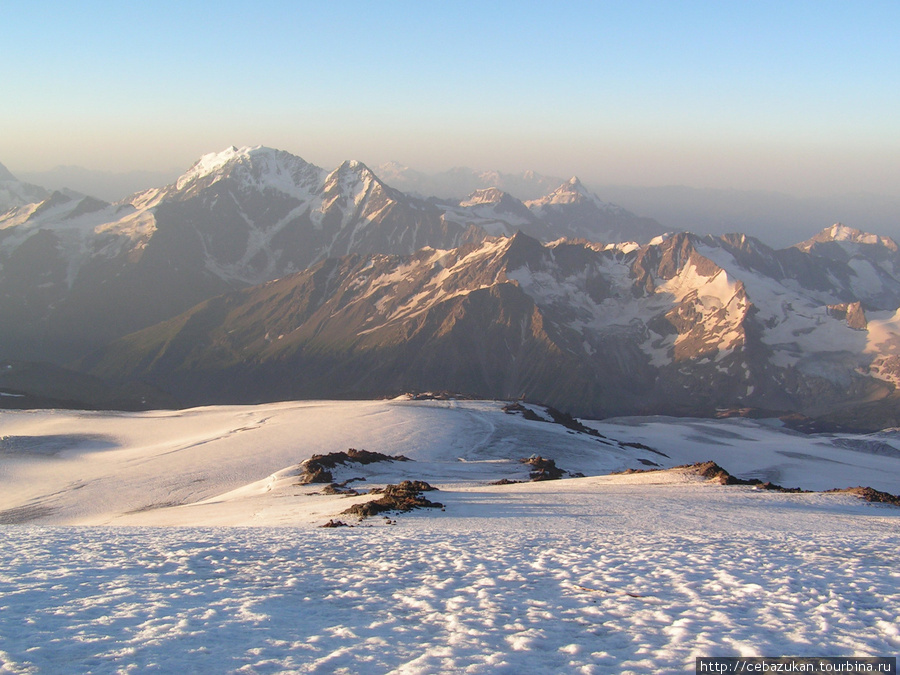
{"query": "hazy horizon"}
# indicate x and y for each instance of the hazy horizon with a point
(798, 98)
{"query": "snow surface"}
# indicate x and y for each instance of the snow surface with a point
(212, 162)
(841, 233)
(798, 323)
(627, 573)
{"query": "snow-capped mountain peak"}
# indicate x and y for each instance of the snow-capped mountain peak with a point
(573, 211)
(490, 195)
(257, 167)
(15, 193)
(353, 167)
(842, 233)
(351, 173)
(570, 192)
(211, 163)
(392, 167)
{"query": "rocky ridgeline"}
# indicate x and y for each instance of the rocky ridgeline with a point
(402, 497)
(716, 474)
(317, 469)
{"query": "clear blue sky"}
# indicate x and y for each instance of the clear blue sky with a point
(798, 96)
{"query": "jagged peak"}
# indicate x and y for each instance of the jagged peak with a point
(393, 168)
(522, 251)
(219, 163)
(666, 256)
(572, 186)
(843, 233)
(352, 170)
(86, 205)
(211, 163)
(394, 164)
(491, 177)
(740, 241)
(490, 195)
(353, 166)
(571, 192)
(660, 239)
(520, 236)
(57, 198)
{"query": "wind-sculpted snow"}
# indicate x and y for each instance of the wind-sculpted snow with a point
(502, 598)
(633, 573)
(242, 465)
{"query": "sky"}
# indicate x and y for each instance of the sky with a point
(800, 97)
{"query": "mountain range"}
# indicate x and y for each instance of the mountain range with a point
(106, 185)
(682, 325)
(76, 272)
(257, 276)
(774, 217)
(458, 181)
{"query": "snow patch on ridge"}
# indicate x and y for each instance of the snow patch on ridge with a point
(211, 163)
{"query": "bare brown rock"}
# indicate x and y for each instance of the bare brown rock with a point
(403, 497)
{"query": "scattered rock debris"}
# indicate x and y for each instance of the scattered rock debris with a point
(415, 485)
(544, 469)
(335, 523)
(641, 446)
(569, 422)
(573, 425)
(558, 417)
(518, 408)
(317, 469)
(403, 497)
(871, 495)
(440, 396)
(338, 489)
(715, 473)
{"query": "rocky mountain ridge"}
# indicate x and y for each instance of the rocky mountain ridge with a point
(683, 325)
(14, 192)
(76, 272)
(258, 276)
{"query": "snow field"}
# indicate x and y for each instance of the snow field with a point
(371, 600)
(607, 573)
(238, 465)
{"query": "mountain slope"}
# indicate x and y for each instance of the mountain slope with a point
(683, 325)
(573, 211)
(76, 272)
(569, 211)
(454, 183)
(14, 192)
